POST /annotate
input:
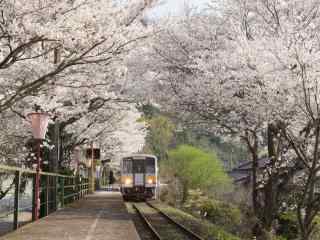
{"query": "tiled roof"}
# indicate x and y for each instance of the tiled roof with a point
(242, 172)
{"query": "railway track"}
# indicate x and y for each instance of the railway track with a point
(162, 226)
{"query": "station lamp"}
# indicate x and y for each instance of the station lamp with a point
(39, 125)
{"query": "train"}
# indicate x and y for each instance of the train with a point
(139, 177)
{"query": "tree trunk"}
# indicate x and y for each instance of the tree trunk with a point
(255, 166)
(264, 213)
(185, 191)
(270, 204)
(262, 233)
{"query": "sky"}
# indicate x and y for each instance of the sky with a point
(176, 7)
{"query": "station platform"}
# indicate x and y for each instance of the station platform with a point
(100, 216)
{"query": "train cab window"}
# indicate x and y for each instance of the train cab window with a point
(150, 165)
(127, 166)
(138, 166)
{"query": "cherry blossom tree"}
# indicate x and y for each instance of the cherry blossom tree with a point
(240, 72)
(69, 66)
(44, 41)
(65, 57)
(283, 42)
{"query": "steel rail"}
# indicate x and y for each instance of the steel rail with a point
(174, 222)
(146, 221)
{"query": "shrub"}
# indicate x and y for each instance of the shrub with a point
(222, 214)
(194, 168)
(279, 238)
(288, 225)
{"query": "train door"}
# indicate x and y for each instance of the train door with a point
(138, 172)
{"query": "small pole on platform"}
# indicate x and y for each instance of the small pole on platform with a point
(33, 197)
(47, 195)
(56, 193)
(62, 192)
(16, 199)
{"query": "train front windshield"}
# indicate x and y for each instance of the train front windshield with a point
(127, 165)
(150, 165)
(139, 165)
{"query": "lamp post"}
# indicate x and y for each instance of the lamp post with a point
(39, 125)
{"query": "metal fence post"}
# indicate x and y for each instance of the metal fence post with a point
(17, 180)
(87, 182)
(74, 189)
(77, 187)
(47, 195)
(81, 188)
(56, 193)
(62, 192)
(33, 197)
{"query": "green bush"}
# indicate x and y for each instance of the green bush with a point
(222, 214)
(316, 233)
(288, 225)
(194, 168)
(222, 235)
(279, 238)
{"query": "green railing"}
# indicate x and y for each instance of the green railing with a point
(56, 191)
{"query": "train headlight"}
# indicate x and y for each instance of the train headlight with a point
(127, 181)
(151, 180)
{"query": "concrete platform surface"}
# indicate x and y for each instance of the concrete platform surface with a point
(101, 216)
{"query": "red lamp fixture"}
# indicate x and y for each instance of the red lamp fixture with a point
(39, 124)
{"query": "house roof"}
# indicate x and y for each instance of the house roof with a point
(242, 173)
(247, 166)
(239, 176)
